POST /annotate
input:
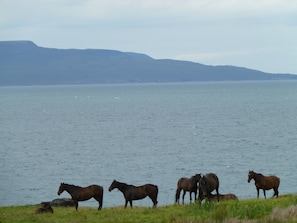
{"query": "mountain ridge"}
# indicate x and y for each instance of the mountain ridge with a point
(25, 63)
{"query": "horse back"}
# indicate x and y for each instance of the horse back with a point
(186, 184)
(271, 182)
(223, 197)
(267, 182)
(182, 181)
(151, 188)
(85, 193)
(139, 192)
(229, 197)
(96, 189)
(212, 181)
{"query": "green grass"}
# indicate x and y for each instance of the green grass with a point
(283, 209)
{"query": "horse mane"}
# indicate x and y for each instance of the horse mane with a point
(122, 185)
(72, 185)
(258, 174)
(193, 178)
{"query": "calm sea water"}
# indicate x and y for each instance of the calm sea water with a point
(145, 133)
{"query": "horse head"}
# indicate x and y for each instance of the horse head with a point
(112, 186)
(196, 178)
(61, 188)
(250, 175)
(203, 185)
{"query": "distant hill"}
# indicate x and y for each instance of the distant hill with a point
(25, 63)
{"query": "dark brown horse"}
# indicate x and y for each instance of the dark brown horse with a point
(45, 208)
(264, 182)
(83, 193)
(223, 197)
(207, 184)
(187, 184)
(131, 192)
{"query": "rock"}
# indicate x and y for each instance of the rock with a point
(63, 202)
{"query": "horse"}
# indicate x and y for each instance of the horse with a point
(131, 192)
(264, 182)
(187, 184)
(83, 193)
(207, 184)
(223, 197)
(45, 208)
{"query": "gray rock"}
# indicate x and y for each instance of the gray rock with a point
(63, 202)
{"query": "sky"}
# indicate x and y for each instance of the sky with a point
(257, 34)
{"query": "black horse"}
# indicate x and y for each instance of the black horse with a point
(264, 182)
(131, 192)
(187, 184)
(83, 193)
(207, 184)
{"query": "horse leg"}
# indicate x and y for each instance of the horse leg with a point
(258, 193)
(177, 194)
(100, 201)
(130, 203)
(218, 195)
(264, 193)
(154, 200)
(126, 202)
(155, 203)
(76, 204)
(195, 193)
(190, 196)
(276, 192)
(200, 196)
(184, 193)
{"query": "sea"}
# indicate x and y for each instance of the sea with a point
(145, 133)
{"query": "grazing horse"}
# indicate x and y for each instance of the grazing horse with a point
(131, 192)
(207, 184)
(264, 182)
(83, 193)
(223, 197)
(187, 184)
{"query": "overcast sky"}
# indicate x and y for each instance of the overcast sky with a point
(258, 34)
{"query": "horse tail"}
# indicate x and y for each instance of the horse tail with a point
(177, 194)
(277, 181)
(154, 195)
(101, 199)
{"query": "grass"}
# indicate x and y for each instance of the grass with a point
(283, 209)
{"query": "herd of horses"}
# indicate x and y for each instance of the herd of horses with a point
(204, 185)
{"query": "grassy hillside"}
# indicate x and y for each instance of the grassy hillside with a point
(283, 209)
